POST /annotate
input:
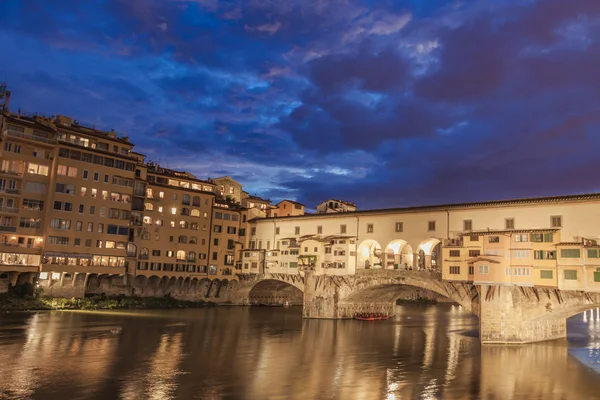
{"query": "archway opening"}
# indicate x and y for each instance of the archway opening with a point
(271, 292)
(370, 255)
(429, 254)
(398, 255)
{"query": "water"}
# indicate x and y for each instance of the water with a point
(271, 353)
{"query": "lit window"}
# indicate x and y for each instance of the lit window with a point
(174, 210)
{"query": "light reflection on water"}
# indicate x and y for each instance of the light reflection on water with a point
(271, 353)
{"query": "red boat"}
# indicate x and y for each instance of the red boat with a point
(370, 317)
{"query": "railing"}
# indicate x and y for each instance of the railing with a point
(23, 246)
(10, 191)
(11, 173)
(29, 136)
(11, 210)
(8, 228)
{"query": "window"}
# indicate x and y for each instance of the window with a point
(474, 238)
(57, 223)
(544, 255)
(431, 226)
(509, 223)
(276, 231)
(369, 228)
(37, 169)
(545, 274)
(92, 210)
(471, 270)
(454, 270)
(96, 176)
(467, 225)
(79, 226)
(592, 253)
(319, 229)
(399, 226)
(218, 215)
(342, 228)
(105, 178)
(484, 269)
(64, 188)
(474, 253)
(296, 230)
(34, 223)
(494, 239)
(570, 253)
(522, 237)
(85, 174)
(521, 254)
(58, 240)
(63, 206)
(556, 221)
(454, 253)
(570, 275)
(507, 271)
(542, 237)
(217, 228)
(524, 271)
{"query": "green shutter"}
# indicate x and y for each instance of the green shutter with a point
(570, 275)
(546, 274)
(293, 264)
(592, 253)
(548, 237)
(570, 253)
(596, 276)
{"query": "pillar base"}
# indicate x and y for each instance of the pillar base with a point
(509, 331)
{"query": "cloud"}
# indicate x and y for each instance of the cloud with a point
(381, 103)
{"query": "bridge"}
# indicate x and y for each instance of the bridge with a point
(507, 314)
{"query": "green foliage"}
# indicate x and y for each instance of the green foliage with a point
(13, 302)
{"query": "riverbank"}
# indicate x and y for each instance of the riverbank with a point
(9, 302)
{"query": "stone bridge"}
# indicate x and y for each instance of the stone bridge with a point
(507, 314)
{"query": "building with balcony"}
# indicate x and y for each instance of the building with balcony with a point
(335, 206)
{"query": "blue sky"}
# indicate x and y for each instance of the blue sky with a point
(384, 103)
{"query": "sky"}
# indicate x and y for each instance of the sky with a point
(382, 103)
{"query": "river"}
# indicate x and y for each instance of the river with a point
(426, 352)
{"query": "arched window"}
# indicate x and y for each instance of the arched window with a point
(185, 199)
(193, 240)
(148, 206)
(131, 250)
(183, 224)
(185, 211)
(191, 256)
(181, 255)
(182, 239)
(148, 220)
(195, 212)
(145, 235)
(196, 201)
(144, 252)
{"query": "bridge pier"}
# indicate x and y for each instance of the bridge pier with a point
(515, 315)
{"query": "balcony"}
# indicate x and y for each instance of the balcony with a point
(9, 210)
(28, 136)
(6, 190)
(4, 228)
(37, 245)
(10, 173)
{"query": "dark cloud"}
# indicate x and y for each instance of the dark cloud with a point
(381, 103)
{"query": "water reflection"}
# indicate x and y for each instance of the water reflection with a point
(271, 353)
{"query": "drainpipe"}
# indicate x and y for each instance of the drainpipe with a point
(447, 224)
(356, 252)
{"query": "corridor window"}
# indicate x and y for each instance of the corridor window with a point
(319, 229)
(509, 223)
(494, 239)
(454, 253)
(570, 253)
(431, 226)
(342, 228)
(369, 228)
(399, 226)
(522, 238)
(484, 269)
(467, 225)
(296, 230)
(570, 275)
(556, 221)
(454, 270)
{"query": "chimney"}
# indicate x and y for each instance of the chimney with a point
(7, 101)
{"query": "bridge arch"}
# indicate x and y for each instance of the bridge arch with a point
(370, 255)
(275, 292)
(381, 290)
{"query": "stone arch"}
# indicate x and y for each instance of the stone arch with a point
(193, 287)
(369, 254)
(274, 292)
(163, 286)
(214, 287)
(204, 286)
(429, 254)
(153, 283)
(382, 290)
(398, 255)
(139, 284)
